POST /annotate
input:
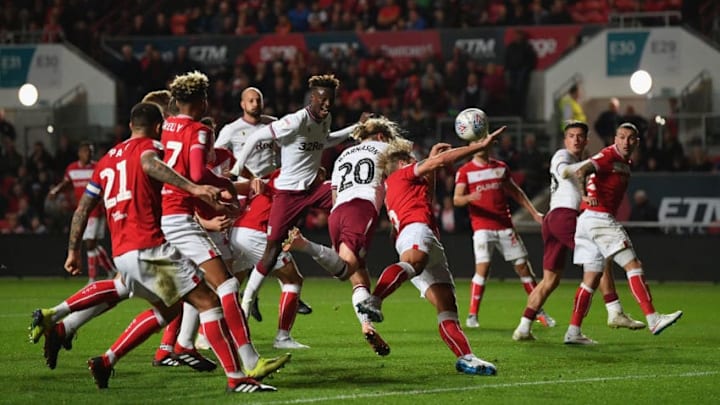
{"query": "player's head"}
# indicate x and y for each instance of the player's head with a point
(210, 123)
(398, 155)
(251, 102)
(85, 151)
(322, 94)
(376, 129)
(576, 137)
(627, 138)
(190, 93)
(161, 98)
(146, 120)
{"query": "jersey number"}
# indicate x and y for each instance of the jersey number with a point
(360, 175)
(175, 148)
(109, 175)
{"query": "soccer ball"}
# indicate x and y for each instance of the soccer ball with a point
(471, 124)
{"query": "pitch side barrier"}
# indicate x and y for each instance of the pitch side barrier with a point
(681, 254)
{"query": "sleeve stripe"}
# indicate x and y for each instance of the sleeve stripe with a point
(93, 190)
(197, 146)
(272, 131)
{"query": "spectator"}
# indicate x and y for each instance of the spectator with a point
(40, 158)
(52, 31)
(494, 91)
(10, 159)
(6, 127)
(636, 119)
(508, 153)
(388, 15)
(570, 108)
(161, 28)
(472, 94)
(520, 60)
(532, 164)
(608, 122)
(298, 17)
(559, 13)
(643, 210)
(698, 160)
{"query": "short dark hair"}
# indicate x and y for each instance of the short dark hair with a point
(85, 144)
(576, 124)
(573, 88)
(144, 116)
(630, 126)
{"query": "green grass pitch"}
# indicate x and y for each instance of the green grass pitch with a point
(682, 365)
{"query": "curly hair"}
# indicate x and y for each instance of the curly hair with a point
(400, 149)
(328, 81)
(372, 126)
(191, 86)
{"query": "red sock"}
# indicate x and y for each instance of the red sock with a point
(476, 295)
(104, 259)
(611, 297)
(287, 308)
(530, 313)
(640, 290)
(391, 278)
(454, 337)
(235, 319)
(216, 332)
(168, 338)
(528, 284)
(583, 297)
(93, 294)
(92, 263)
(138, 331)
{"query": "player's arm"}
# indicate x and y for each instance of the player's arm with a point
(336, 137)
(262, 134)
(65, 183)
(581, 173)
(154, 167)
(215, 224)
(461, 197)
(568, 170)
(224, 138)
(89, 200)
(513, 190)
(442, 155)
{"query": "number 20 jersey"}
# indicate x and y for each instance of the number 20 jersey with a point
(132, 199)
(355, 174)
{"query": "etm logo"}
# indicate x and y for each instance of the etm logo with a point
(702, 210)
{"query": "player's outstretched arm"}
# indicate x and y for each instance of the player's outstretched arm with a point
(262, 134)
(73, 262)
(447, 157)
(517, 194)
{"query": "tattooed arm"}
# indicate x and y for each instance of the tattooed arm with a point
(73, 263)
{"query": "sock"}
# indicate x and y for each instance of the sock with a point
(75, 320)
(527, 319)
(252, 287)
(144, 325)
(477, 289)
(168, 338)
(583, 297)
(287, 308)
(612, 303)
(640, 290)
(105, 260)
(360, 293)
(105, 291)
(228, 293)
(528, 284)
(327, 258)
(392, 277)
(218, 336)
(452, 334)
(92, 263)
(188, 328)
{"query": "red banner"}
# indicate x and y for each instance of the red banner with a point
(404, 45)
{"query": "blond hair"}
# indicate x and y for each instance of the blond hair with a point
(191, 86)
(327, 81)
(399, 149)
(373, 126)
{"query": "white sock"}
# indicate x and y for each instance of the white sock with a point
(525, 324)
(252, 287)
(248, 355)
(329, 260)
(480, 280)
(188, 326)
(573, 330)
(61, 310)
(360, 293)
(282, 334)
(77, 319)
(614, 307)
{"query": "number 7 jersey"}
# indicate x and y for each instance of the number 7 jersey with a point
(132, 199)
(355, 174)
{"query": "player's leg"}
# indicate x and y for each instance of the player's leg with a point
(617, 318)
(103, 259)
(92, 260)
(484, 243)
(323, 255)
(581, 303)
(164, 353)
(291, 284)
(636, 280)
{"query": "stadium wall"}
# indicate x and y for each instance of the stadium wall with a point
(664, 257)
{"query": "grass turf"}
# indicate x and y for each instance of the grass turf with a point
(679, 366)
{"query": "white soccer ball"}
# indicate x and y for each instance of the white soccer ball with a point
(471, 124)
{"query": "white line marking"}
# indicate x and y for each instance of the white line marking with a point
(486, 386)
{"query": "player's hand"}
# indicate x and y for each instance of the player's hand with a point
(474, 196)
(493, 136)
(257, 186)
(439, 148)
(207, 193)
(591, 201)
(73, 263)
(219, 223)
(52, 193)
(366, 115)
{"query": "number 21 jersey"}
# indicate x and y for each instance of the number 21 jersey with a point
(132, 199)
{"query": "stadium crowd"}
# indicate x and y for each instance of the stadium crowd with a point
(417, 94)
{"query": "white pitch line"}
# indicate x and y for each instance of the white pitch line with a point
(486, 386)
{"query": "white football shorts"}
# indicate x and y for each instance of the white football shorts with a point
(419, 236)
(248, 246)
(507, 241)
(191, 239)
(598, 236)
(95, 229)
